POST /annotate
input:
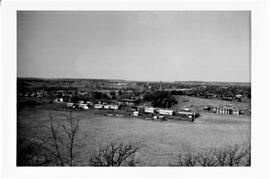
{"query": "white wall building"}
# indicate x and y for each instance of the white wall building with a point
(165, 112)
(149, 110)
(98, 106)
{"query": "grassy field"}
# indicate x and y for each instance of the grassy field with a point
(162, 140)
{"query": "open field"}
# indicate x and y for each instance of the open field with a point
(162, 140)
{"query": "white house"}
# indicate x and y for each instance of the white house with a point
(98, 106)
(58, 100)
(135, 113)
(106, 106)
(83, 106)
(149, 110)
(165, 112)
(114, 106)
(185, 113)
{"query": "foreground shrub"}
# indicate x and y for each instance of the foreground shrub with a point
(235, 155)
(116, 154)
(30, 153)
(57, 147)
(61, 142)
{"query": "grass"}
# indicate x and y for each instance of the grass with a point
(162, 140)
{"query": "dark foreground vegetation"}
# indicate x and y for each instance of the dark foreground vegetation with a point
(232, 155)
(60, 146)
(31, 153)
(116, 154)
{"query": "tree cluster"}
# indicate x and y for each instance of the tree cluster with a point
(60, 147)
(99, 96)
(161, 99)
(116, 154)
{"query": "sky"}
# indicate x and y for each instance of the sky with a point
(135, 45)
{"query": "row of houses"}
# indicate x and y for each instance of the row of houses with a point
(136, 110)
(223, 110)
(226, 110)
(170, 112)
(106, 106)
(78, 105)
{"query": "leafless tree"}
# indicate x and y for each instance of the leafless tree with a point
(221, 157)
(235, 155)
(71, 130)
(186, 159)
(115, 154)
(62, 138)
(247, 161)
(206, 158)
(30, 153)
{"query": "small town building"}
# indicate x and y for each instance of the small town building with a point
(98, 106)
(226, 110)
(186, 114)
(111, 106)
(135, 113)
(83, 106)
(58, 100)
(149, 110)
(166, 112)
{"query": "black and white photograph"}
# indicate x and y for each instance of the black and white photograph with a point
(134, 88)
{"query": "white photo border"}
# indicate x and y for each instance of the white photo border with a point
(259, 121)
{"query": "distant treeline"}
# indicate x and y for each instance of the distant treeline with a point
(218, 91)
(215, 89)
(24, 86)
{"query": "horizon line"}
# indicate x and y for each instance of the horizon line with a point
(175, 81)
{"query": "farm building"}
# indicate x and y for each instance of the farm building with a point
(166, 112)
(186, 114)
(187, 109)
(149, 110)
(226, 110)
(106, 106)
(114, 106)
(135, 113)
(58, 100)
(222, 109)
(83, 106)
(98, 106)
(238, 96)
(111, 106)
